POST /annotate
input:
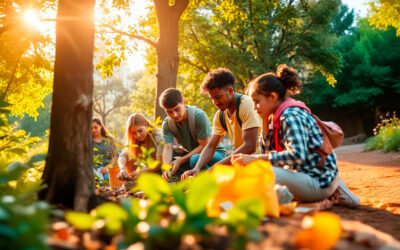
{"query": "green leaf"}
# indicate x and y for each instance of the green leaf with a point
(202, 188)
(247, 211)
(7, 232)
(4, 214)
(153, 186)
(254, 234)
(81, 221)
(113, 226)
(37, 158)
(111, 211)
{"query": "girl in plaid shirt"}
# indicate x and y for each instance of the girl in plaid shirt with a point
(289, 140)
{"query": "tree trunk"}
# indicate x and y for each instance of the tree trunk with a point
(68, 174)
(167, 47)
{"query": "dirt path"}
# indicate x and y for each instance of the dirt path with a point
(375, 178)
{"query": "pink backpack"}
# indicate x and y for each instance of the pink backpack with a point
(332, 134)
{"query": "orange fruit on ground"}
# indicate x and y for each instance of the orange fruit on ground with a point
(321, 231)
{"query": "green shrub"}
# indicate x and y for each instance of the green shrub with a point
(171, 213)
(23, 220)
(386, 135)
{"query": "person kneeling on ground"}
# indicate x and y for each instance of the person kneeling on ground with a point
(235, 116)
(104, 146)
(190, 127)
(139, 132)
(291, 149)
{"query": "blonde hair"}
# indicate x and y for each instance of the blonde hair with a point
(135, 119)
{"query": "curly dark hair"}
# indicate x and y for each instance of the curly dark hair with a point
(218, 78)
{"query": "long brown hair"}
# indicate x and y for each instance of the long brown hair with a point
(103, 131)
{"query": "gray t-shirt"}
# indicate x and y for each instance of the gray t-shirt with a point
(184, 136)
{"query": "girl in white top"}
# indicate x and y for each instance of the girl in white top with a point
(139, 132)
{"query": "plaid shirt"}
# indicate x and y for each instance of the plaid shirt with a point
(299, 135)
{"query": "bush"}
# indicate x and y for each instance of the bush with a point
(387, 135)
(23, 220)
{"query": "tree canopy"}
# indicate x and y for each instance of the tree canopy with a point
(25, 56)
(385, 13)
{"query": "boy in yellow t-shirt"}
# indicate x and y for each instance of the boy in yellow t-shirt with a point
(236, 116)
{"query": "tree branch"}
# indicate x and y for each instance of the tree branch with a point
(13, 74)
(142, 38)
(187, 61)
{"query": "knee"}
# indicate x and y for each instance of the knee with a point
(193, 160)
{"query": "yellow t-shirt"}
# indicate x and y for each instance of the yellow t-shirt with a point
(249, 119)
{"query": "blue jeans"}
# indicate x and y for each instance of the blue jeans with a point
(105, 176)
(193, 160)
(219, 155)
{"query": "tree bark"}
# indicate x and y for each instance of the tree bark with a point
(68, 174)
(167, 47)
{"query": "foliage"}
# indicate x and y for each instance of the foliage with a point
(370, 75)
(23, 222)
(386, 135)
(171, 213)
(23, 226)
(253, 37)
(25, 72)
(385, 13)
(143, 95)
(38, 126)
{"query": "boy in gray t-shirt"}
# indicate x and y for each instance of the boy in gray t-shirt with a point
(190, 127)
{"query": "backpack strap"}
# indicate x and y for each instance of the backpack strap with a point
(238, 97)
(222, 114)
(192, 121)
(222, 120)
(172, 127)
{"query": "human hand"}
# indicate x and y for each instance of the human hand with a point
(166, 175)
(103, 170)
(189, 173)
(242, 159)
(122, 174)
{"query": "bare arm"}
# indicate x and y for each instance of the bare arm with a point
(243, 159)
(167, 153)
(248, 147)
(205, 156)
(208, 152)
(197, 150)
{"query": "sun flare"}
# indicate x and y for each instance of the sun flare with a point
(32, 18)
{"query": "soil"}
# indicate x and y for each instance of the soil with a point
(374, 177)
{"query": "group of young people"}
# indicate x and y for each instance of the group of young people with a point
(260, 125)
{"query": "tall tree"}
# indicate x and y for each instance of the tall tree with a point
(68, 173)
(252, 37)
(369, 82)
(165, 43)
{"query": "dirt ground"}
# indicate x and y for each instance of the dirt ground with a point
(375, 178)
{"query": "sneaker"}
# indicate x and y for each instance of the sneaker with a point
(346, 197)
